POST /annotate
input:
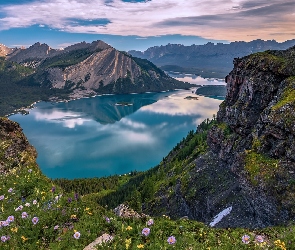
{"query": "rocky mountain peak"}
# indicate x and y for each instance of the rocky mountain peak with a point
(4, 50)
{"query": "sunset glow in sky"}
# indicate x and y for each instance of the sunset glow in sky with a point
(138, 24)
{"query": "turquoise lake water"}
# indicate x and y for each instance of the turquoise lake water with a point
(94, 137)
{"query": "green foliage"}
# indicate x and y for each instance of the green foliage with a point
(260, 167)
(19, 89)
(67, 59)
(225, 128)
(288, 96)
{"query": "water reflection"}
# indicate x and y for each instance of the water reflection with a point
(95, 137)
(192, 78)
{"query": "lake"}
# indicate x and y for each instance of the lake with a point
(95, 137)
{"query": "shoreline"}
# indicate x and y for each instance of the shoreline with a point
(76, 95)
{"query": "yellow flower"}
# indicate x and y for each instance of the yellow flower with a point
(14, 229)
(87, 208)
(128, 242)
(73, 216)
(24, 238)
(128, 228)
(140, 246)
(89, 213)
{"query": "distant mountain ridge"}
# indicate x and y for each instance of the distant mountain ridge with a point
(209, 60)
(82, 69)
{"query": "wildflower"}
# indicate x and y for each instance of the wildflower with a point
(69, 200)
(24, 215)
(24, 238)
(171, 240)
(128, 228)
(1, 197)
(108, 220)
(246, 239)
(280, 244)
(10, 190)
(146, 231)
(27, 204)
(30, 170)
(34, 202)
(35, 220)
(259, 238)
(127, 243)
(10, 219)
(19, 208)
(56, 227)
(140, 246)
(77, 235)
(53, 189)
(14, 229)
(73, 217)
(76, 196)
(150, 222)
(4, 223)
(3, 238)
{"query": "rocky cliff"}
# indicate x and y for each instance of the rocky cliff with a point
(243, 161)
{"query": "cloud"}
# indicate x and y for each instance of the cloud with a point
(215, 19)
(67, 119)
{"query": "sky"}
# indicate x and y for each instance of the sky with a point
(139, 24)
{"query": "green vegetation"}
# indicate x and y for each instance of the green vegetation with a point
(219, 90)
(43, 214)
(288, 96)
(18, 88)
(260, 167)
(207, 72)
(67, 59)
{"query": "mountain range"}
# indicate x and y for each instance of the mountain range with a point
(236, 172)
(209, 60)
(79, 70)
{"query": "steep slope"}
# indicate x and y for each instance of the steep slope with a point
(92, 68)
(243, 161)
(208, 60)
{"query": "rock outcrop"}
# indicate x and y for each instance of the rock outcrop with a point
(250, 161)
(15, 148)
(4, 50)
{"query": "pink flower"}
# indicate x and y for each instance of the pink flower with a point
(35, 220)
(246, 239)
(171, 240)
(24, 215)
(150, 222)
(146, 231)
(77, 235)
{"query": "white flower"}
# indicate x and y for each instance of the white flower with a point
(27, 204)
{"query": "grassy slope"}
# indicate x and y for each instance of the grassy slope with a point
(56, 208)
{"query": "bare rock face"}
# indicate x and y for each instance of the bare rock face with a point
(4, 51)
(126, 212)
(99, 69)
(36, 52)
